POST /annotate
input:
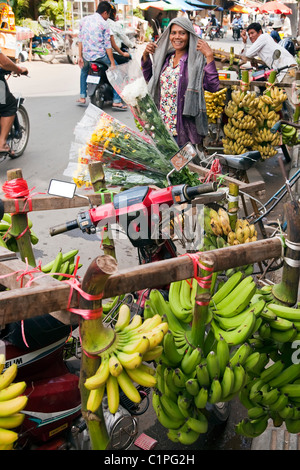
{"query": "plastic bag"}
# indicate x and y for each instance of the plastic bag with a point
(128, 80)
(130, 157)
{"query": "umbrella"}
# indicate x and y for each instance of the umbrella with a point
(201, 5)
(275, 7)
(160, 5)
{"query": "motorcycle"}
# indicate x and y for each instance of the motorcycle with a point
(45, 46)
(19, 133)
(216, 32)
(236, 33)
(99, 90)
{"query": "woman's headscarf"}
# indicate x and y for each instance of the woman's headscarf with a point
(194, 105)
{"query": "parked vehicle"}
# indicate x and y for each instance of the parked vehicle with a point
(19, 133)
(99, 90)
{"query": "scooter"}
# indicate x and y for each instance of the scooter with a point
(45, 46)
(99, 90)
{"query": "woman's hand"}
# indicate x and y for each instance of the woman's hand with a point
(150, 49)
(206, 50)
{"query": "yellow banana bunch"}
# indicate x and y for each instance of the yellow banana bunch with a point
(233, 148)
(237, 96)
(278, 96)
(231, 109)
(243, 233)
(12, 402)
(215, 103)
(123, 364)
(266, 150)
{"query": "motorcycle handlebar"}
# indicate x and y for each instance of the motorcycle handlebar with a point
(277, 125)
(65, 227)
(192, 192)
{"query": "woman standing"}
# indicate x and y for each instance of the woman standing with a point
(183, 67)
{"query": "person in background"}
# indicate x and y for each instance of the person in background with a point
(94, 43)
(8, 103)
(285, 42)
(181, 68)
(263, 46)
(197, 28)
(118, 38)
(226, 24)
(286, 25)
(157, 25)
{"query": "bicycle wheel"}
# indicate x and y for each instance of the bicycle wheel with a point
(48, 54)
(19, 134)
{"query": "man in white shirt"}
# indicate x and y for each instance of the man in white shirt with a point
(286, 25)
(263, 46)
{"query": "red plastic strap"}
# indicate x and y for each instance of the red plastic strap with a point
(205, 281)
(18, 188)
(215, 169)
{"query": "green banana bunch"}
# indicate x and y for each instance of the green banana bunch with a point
(7, 236)
(180, 301)
(12, 403)
(62, 266)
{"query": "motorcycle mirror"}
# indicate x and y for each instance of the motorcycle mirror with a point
(64, 189)
(276, 55)
(61, 188)
(182, 158)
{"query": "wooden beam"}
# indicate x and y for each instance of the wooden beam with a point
(160, 273)
(249, 188)
(48, 295)
(44, 203)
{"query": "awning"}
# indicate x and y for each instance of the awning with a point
(160, 5)
(201, 5)
(239, 9)
(183, 5)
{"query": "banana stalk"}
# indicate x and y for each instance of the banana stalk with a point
(97, 177)
(287, 290)
(19, 226)
(200, 313)
(271, 80)
(233, 206)
(95, 336)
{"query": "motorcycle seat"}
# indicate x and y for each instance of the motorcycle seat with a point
(240, 162)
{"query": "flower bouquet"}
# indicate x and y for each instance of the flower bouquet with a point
(129, 82)
(130, 157)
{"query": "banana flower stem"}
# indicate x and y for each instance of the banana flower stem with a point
(95, 338)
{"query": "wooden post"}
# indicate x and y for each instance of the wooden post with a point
(19, 228)
(95, 338)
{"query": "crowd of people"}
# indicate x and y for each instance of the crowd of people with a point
(180, 66)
